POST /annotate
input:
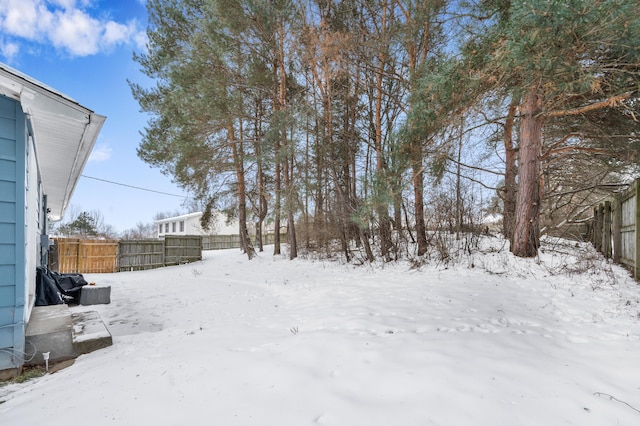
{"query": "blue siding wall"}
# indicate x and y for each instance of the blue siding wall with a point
(12, 239)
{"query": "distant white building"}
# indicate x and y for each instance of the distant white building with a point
(189, 224)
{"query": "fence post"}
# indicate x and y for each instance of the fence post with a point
(606, 230)
(617, 229)
(594, 225)
(599, 213)
(636, 257)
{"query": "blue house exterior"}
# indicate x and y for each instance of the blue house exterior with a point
(45, 140)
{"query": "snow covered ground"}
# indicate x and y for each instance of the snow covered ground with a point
(486, 340)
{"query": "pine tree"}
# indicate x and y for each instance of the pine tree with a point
(559, 59)
(197, 109)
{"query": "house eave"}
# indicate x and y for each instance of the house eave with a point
(64, 134)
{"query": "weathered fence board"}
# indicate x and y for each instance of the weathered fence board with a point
(223, 242)
(616, 232)
(220, 242)
(628, 227)
(182, 249)
(88, 256)
(137, 255)
(606, 229)
(68, 256)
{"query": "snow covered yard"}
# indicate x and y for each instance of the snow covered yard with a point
(489, 340)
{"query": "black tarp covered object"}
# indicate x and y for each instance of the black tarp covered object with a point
(47, 292)
(53, 288)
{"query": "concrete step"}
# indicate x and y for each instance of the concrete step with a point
(89, 332)
(63, 334)
(49, 330)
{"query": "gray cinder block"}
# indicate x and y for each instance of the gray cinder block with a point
(95, 295)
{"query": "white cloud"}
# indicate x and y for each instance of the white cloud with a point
(141, 39)
(67, 25)
(76, 32)
(19, 18)
(100, 153)
(115, 33)
(68, 4)
(9, 50)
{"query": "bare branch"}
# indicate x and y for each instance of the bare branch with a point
(611, 397)
(607, 103)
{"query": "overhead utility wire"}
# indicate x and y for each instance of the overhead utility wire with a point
(134, 187)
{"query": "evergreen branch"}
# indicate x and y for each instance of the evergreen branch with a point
(607, 103)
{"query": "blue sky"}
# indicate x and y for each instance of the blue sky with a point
(84, 48)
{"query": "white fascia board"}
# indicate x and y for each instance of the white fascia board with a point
(173, 219)
(64, 133)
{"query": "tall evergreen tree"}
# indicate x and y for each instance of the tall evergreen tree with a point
(420, 35)
(559, 59)
(197, 110)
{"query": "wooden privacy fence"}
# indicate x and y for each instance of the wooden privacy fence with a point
(89, 256)
(182, 249)
(96, 256)
(221, 242)
(137, 255)
(615, 231)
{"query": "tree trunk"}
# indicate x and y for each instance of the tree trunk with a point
(236, 148)
(307, 187)
(290, 197)
(458, 185)
(418, 200)
(277, 206)
(510, 187)
(262, 208)
(365, 243)
(288, 150)
(526, 238)
(397, 210)
(417, 45)
(278, 173)
(382, 206)
(319, 221)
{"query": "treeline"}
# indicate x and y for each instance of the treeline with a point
(329, 118)
(91, 224)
